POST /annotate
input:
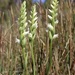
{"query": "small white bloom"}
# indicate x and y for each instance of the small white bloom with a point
(35, 25)
(25, 13)
(56, 22)
(50, 27)
(50, 11)
(52, 6)
(35, 13)
(50, 17)
(30, 35)
(31, 15)
(54, 3)
(29, 21)
(17, 40)
(55, 36)
(46, 30)
(26, 33)
(26, 24)
(28, 29)
(56, 14)
(35, 18)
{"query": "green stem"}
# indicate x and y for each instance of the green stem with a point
(32, 53)
(50, 53)
(24, 61)
(49, 64)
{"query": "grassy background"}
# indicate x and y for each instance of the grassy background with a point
(63, 46)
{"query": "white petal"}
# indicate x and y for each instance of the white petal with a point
(50, 27)
(55, 36)
(50, 17)
(47, 30)
(35, 18)
(54, 3)
(26, 33)
(17, 40)
(35, 25)
(35, 13)
(56, 22)
(50, 11)
(30, 35)
(52, 6)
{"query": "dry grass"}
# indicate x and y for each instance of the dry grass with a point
(63, 46)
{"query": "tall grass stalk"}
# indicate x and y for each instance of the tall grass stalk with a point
(32, 34)
(51, 30)
(23, 33)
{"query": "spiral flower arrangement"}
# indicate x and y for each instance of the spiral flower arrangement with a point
(33, 23)
(32, 34)
(51, 30)
(22, 30)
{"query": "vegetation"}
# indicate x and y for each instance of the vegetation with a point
(37, 39)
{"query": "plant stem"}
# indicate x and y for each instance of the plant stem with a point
(24, 61)
(49, 64)
(50, 54)
(32, 53)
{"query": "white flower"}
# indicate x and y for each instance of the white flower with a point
(50, 11)
(50, 27)
(46, 30)
(56, 22)
(26, 24)
(26, 33)
(55, 36)
(35, 25)
(35, 14)
(17, 40)
(52, 6)
(35, 18)
(30, 35)
(50, 17)
(54, 3)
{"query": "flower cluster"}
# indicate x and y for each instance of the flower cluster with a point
(23, 33)
(51, 30)
(53, 19)
(23, 24)
(33, 23)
